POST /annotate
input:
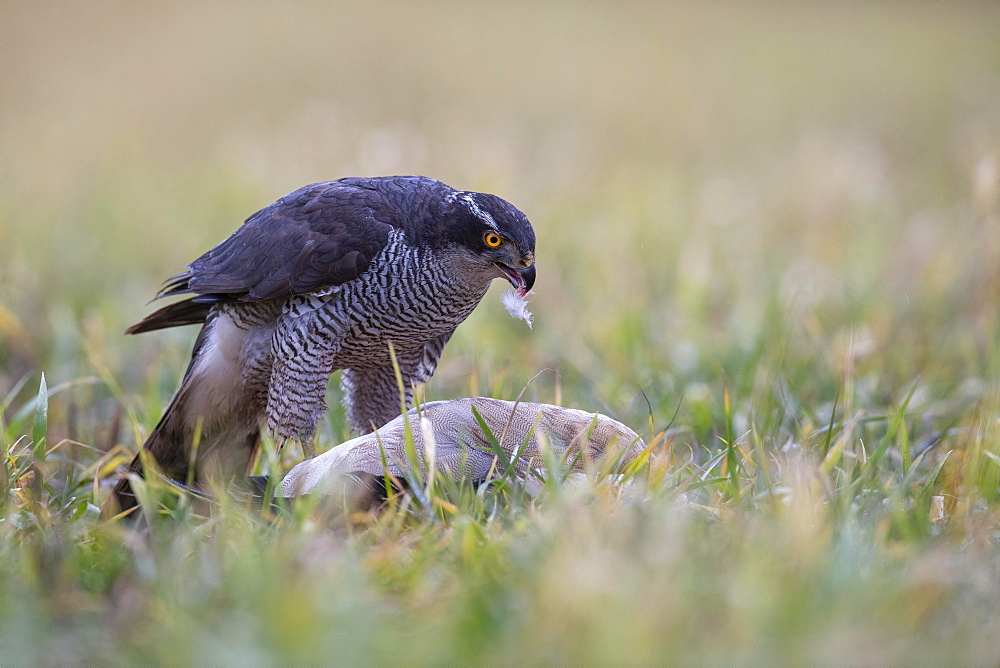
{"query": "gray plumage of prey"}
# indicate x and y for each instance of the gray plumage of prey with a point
(324, 279)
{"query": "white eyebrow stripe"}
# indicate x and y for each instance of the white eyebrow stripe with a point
(479, 213)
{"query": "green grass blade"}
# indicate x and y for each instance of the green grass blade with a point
(40, 426)
(498, 451)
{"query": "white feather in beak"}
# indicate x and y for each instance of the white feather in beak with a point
(517, 305)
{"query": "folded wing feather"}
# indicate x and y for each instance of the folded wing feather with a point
(461, 447)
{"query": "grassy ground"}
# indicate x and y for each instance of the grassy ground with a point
(773, 232)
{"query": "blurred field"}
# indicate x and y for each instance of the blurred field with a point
(784, 219)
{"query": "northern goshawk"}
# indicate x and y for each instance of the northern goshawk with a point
(326, 278)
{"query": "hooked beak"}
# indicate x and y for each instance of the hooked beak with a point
(521, 280)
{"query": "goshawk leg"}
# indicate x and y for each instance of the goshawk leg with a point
(304, 349)
(371, 395)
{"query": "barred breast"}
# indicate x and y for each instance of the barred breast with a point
(408, 296)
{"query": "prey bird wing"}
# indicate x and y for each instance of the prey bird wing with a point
(579, 439)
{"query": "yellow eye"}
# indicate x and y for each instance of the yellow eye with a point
(492, 240)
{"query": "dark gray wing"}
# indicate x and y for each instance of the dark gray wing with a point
(319, 236)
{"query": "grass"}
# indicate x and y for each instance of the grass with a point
(771, 232)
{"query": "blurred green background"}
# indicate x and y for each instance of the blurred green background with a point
(783, 219)
(695, 175)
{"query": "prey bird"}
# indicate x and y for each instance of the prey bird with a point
(325, 278)
(451, 441)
